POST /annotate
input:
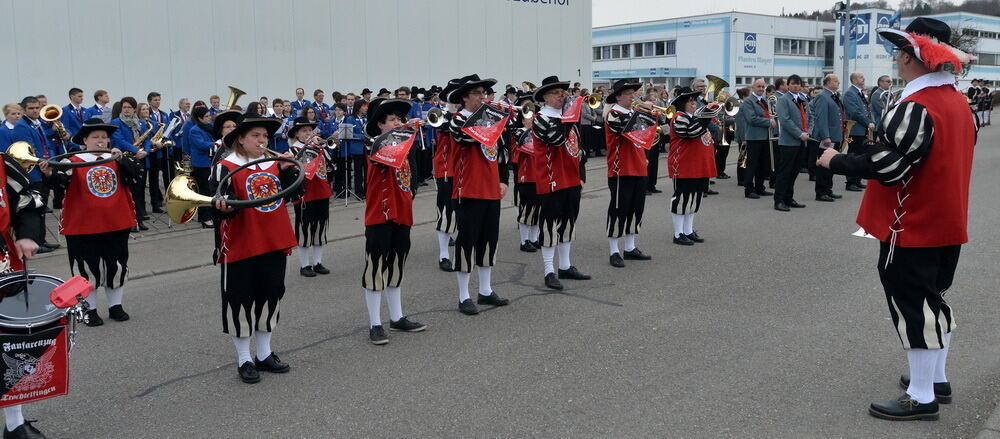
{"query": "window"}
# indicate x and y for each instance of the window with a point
(625, 50)
(660, 50)
(649, 49)
(671, 47)
(988, 59)
(616, 52)
(638, 50)
(786, 46)
(597, 53)
(606, 52)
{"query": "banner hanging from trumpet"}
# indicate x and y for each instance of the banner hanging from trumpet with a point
(393, 147)
(572, 113)
(641, 129)
(526, 143)
(486, 124)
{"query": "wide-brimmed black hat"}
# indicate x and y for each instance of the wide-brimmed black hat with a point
(299, 123)
(467, 83)
(248, 121)
(383, 91)
(619, 87)
(549, 84)
(682, 96)
(510, 90)
(934, 33)
(221, 119)
(448, 88)
(91, 125)
(380, 108)
(524, 96)
(366, 90)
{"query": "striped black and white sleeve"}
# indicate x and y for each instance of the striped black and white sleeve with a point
(548, 130)
(617, 121)
(905, 136)
(25, 203)
(688, 127)
(455, 126)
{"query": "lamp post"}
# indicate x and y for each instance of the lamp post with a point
(842, 11)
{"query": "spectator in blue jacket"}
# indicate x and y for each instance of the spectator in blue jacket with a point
(200, 141)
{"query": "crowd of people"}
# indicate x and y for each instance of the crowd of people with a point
(545, 134)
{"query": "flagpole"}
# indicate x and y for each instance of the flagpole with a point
(848, 41)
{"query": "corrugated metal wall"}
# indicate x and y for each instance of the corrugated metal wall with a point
(193, 49)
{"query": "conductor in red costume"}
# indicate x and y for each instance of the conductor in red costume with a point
(919, 210)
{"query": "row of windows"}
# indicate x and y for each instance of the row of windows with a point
(746, 81)
(636, 50)
(981, 33)
(787, 46)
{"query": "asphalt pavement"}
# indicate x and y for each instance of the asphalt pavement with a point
(775, 327)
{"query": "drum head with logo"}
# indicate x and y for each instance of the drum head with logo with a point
(26, 305)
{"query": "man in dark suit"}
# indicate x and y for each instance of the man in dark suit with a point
(791, 109)
(826, 128)
(757, 123)
(876, 105)
(856, 108)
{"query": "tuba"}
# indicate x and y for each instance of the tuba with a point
(51, 113)
(24, 154)
(234, 95)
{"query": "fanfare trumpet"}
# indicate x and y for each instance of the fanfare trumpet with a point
(668, 111)
(51, 113)
(24, 154)
(527, 109)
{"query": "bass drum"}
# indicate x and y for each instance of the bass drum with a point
(26, 305)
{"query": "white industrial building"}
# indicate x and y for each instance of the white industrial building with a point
(739, 47)
(190, 48)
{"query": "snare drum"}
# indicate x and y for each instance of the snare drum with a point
(27, 306)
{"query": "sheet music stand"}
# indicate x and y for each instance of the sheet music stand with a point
(345, 131)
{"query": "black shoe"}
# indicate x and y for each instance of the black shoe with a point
(552, 282)
(796, 205)
(617, 261)
(143, 227)
(683, 240)
(492, 299)
(445, 265)
(43, 249)
(93, 319)
(853, 188)
(271, 364)
(711, 192)
(320, 269)
(528, 247)
(942, 391)
(836, 196)
(377, 336)
(781, 207)
(905, 408)
(723, 176)
(248, 373)
(693, 236)
(825, 198)
(751, 195)
(765, 193)
(158, 210)
(655, 190)
(537, 244)
(572, 273)
(406, 325)
(451, 242)
(117, 313)
(50, 245)
(467, 307)
(307, 271)
(637, 255)
(23, 431)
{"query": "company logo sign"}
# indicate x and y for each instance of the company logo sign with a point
(860, 29)
(749, 42)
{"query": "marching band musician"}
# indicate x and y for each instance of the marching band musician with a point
(20, 228)
(323, 110)
(857, 109)
(200, 145)
(791, 109)
(388, 218)
(224, 123)
(690, 162)
(29, 129)
(73, 113)
(876, 105)
(214, 108)
(132, 128)
(312, 212)
(444, 176)
(159, 161)
(100, 108)
(757, 123)
(626, 176)
(479, 185)
(282, 113)
(298, 104)
(919, 209)
(253, 263)
(12, 114)
(355, 147)
(558, 182)
(714, 127)
(525, 197)
(97, 216)
(331, 128)
(826, 128)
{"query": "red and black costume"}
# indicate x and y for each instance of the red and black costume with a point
(627, 169)
(312, 211)
(444, 175)
(557, 173)
(690, 162)
(525, 197)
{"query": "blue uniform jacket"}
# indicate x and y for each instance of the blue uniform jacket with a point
(298, 106)
(200, 144)
(72, 121)
(25, 131)
(123, 138)
(756, 126)
(826, 115)
(854, 106)
(876, 106)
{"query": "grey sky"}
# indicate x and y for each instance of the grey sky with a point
(611, 12)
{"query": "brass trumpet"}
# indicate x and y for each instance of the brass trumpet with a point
(668, 111)
(527, 110)
(52, 113)
(594, 100)
(24, 154)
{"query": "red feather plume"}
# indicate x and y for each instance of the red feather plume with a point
(936, 54)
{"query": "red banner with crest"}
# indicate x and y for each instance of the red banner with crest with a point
(641, 129)
(392, 148)
(34, 366)
(486, 124)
